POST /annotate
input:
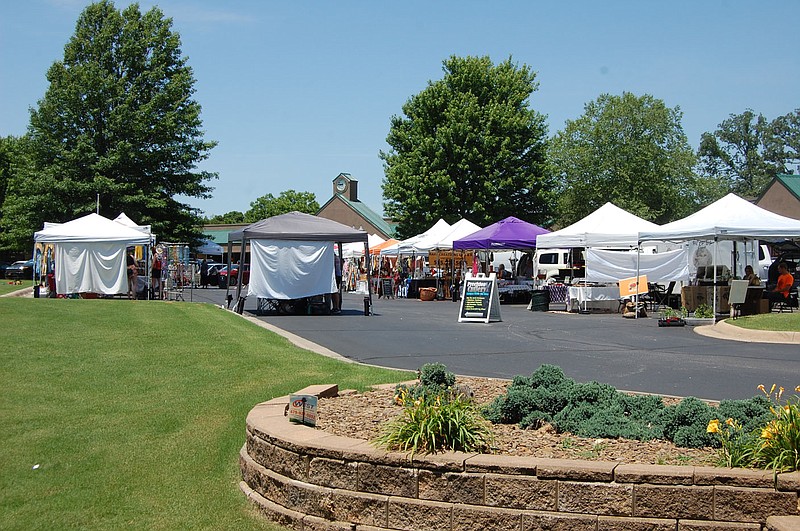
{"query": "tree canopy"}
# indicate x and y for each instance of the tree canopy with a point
(118, 120)
(288, 201)
(468, 146)
(630, 150)
(747, 151)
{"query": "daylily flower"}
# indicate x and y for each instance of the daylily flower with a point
(713, 426)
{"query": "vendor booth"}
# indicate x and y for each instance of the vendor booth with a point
(732, 219)
(292, 258)
(512, 234)
(89, 254)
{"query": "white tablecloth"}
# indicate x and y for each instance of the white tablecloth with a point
(596, 297)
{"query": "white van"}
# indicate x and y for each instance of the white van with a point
(551, 263)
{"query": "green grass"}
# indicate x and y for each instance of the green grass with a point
(135, 412)
(7, 286)
(774, 322)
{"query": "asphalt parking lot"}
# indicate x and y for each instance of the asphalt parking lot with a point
(635, 355)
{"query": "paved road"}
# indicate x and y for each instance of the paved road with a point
(629, 354)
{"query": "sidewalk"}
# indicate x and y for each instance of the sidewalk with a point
(723, 330)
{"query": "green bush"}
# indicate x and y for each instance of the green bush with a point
(434, 380)
(685, 423)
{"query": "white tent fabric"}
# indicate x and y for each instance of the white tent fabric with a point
(612, 266)
(90, 228)
(729, 218)
(460, 229)
(90, 268)
(409, 246)
(291, 269)
(356, 249)
(90, 253)
(608, 226)
(123, 219)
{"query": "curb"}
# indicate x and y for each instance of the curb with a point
(723, 330)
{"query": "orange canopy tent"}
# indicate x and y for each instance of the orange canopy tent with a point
(377, 248)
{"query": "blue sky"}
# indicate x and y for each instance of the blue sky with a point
(296, 92)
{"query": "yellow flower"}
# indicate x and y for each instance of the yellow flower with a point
(713, 426)
(729, 422)
(761, 388)
(780, 392)
(772, 389)
(767, 432)
(797, 388)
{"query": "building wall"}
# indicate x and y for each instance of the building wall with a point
(336, 210)
(779, 200)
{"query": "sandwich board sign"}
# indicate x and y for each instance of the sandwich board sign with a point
(480, 302)
(303, 409)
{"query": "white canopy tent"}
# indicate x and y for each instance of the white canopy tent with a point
(356, 249)
(409, 246)
(609, 226)
(729, 218)
(90, 253)
(460, 229)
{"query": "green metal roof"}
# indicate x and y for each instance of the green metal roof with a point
(370, 215)
(791, 182)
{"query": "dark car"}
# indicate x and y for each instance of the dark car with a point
(22, 270)
(213, 273)
(3, 267)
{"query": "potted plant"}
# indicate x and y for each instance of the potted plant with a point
(703, 315)
(671, 317)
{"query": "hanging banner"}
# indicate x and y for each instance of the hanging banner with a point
(480, 301)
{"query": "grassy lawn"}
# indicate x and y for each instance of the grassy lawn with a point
(785, 322)
(7, 286)
(121, 414)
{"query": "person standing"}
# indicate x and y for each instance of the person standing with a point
(336, 297)
(132, 274)
(204, 273)
(155, 275)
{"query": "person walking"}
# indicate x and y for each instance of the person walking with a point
(204, 273)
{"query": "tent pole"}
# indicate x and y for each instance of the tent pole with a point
(228, 283)
(369, 279)
(240, 275)
(714, 277)
(638, 257)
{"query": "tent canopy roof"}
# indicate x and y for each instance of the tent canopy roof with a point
(729, 218)
(608, 226)
(508, 233)
(91, 228)
(299, 226)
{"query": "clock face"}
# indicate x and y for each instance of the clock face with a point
(341, 185)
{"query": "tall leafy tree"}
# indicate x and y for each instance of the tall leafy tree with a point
(289, 200)
(468, 146)
(234, 216)
(118, 120)
(630, 150)
(747, 151)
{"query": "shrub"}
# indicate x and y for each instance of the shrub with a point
(434, 380)
(685, 423)
(430, 424)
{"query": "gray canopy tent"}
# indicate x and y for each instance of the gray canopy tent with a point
(297, 226)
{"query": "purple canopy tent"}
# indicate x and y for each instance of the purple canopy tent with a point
(509, 233)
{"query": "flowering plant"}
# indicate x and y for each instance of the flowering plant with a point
(736, 446)
(779, 445)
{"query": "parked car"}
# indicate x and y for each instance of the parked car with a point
(224, 279)
(3, 267)
(213, 273)
(22, 270)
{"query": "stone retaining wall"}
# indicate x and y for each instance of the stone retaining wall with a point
(309, 480)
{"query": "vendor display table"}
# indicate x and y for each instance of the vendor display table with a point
(595, 297)
(514, 293)
(694, 296)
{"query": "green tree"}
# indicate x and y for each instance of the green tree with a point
(288, 201)
(118, 120)
(630, 150)
(747, 151)
(468, 146)
(233, 216)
